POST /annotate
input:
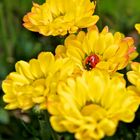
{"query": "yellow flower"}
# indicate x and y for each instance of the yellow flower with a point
(101, 50)
(57, 17)
(137, 26)
(35, 81)
(134, 77)
(91, 105)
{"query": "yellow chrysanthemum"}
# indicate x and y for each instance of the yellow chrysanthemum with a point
(57, 17)
(101, 50)
(137, 26)
(134, 77)
(92, 105)
(34, 82)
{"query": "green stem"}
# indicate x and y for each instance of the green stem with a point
(3, 31)
(100, 24)
(46, 130)
(10, 21)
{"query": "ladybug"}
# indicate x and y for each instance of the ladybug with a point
(91, 61)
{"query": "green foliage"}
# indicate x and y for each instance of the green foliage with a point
(4, 116)
(120, 15)
(18, 43)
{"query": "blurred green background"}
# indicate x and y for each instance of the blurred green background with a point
(17, 43)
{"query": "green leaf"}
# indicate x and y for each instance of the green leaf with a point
(4, 116)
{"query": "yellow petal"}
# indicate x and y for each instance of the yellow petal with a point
(137, 26)
(54, 121)
(35, 68)
(46, 60)
(23, 68)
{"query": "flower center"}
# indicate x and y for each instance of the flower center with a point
(91, 61)
(94, 110)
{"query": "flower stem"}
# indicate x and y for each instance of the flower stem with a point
(47, 133)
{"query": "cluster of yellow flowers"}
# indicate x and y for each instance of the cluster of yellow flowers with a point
(80, 85)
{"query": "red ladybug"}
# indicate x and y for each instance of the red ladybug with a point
(91, 61)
